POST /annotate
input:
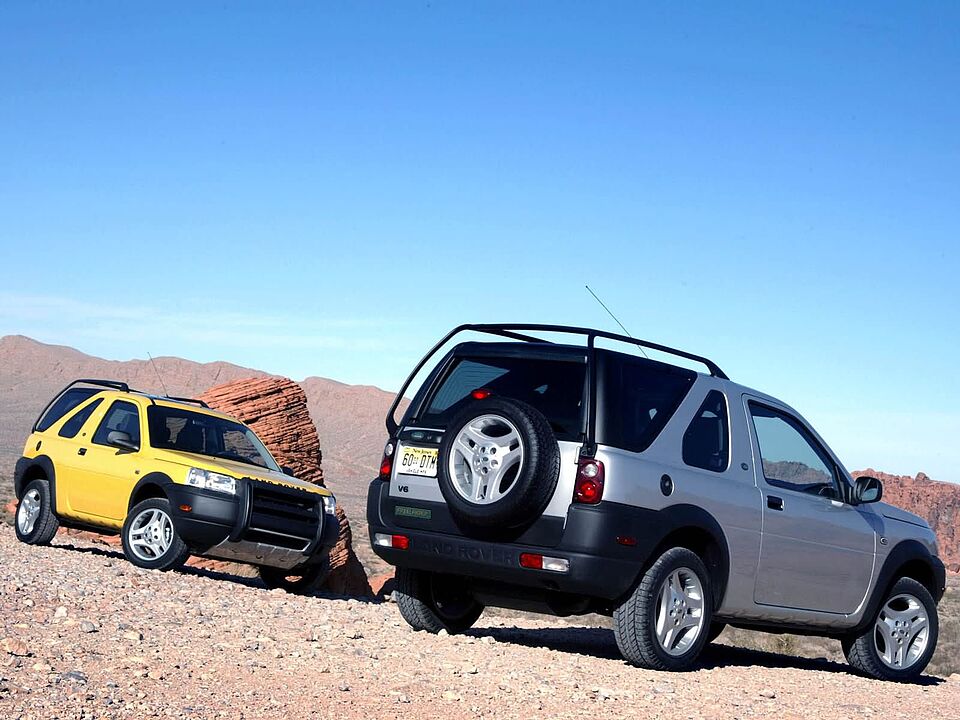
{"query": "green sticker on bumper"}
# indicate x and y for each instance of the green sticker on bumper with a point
(410, 512)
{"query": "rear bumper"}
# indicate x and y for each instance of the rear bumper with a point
(600, 567)
(222, 526)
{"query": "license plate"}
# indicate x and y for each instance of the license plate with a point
(418, 461)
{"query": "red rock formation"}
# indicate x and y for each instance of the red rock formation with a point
(276, 409)
(937, 502)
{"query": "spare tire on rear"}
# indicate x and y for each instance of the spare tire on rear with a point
(499, 463)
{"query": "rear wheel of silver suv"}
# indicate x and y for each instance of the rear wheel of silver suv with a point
(665, 623)
(433, 602)
(900, 641)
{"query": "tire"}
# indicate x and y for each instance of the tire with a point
(298, 581)
(433, 602)
(635, 621)
(150, 539)
(715, 629)
(34, 521)
(523, 487)
(907, 602)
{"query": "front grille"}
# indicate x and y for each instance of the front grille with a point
(282, 516)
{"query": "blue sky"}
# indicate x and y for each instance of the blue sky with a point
(324, 189)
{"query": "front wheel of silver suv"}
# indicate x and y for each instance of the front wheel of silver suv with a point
(665, 623)
(433, 602)
(900, 641)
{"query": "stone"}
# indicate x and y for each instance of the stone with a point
(15, 647)
(88, 627)
(767, 693)
(276, 409)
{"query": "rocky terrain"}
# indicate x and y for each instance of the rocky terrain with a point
(83, 634)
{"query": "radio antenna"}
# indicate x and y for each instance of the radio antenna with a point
(610, 313)
(157, 371)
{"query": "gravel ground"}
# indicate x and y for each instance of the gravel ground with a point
(83, 634)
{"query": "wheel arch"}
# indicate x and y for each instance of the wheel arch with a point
(909, 558)
(36, 468)
(695, 529)
(153, 485)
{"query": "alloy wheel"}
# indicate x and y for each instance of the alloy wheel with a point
(29, 511)
(151, 534)
(486, 459)
(679, 611)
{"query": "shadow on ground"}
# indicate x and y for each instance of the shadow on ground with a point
(106, 551)
(600, 643)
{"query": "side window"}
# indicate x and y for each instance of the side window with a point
(64, 404)
(791, 458)
(637, 398)
(706, 443)
(122, 416)
(72, 426)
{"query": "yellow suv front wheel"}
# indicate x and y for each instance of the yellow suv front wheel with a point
(149, 538)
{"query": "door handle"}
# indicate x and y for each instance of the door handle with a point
(774, 502)
(82, 451)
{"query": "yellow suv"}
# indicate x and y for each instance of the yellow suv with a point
(174, 478)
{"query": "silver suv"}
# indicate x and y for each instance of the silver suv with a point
(572, 479)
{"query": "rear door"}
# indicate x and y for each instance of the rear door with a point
(816, 552)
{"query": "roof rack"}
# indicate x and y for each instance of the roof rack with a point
(518, 331)
(192, 401)
(121, 387)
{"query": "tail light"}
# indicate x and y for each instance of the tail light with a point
(588, 488)
(480, 394)
(397, 542)
(386, 465)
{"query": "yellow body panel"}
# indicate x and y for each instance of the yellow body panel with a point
(94, 482)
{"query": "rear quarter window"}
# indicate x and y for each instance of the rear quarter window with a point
(72, 426)
(637, 397)
(555, 387)
(64, 404)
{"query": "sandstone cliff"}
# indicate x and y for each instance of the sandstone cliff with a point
(937, 502)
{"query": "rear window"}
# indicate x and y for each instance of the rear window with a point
(554, 387)
(72, 426)
(638, 397)
(64, 404)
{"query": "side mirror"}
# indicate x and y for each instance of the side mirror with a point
(287, 470)
(122, 440)
(867, 489)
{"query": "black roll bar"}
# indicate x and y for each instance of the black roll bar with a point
(518, 331)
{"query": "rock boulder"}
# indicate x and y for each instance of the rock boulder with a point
(276, 409)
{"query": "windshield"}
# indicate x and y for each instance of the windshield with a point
(179, 429)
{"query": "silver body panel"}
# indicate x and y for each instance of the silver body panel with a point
(813, 563)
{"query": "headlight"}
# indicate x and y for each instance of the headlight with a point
(212, 481)
(329, 504)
